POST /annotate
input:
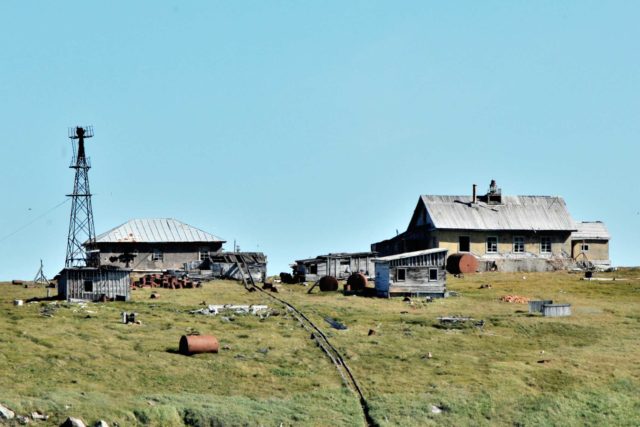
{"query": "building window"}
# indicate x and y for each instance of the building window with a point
(545, 245)
(203, 253)
(401, 274)
(492, 245)
(518, 244)
(313, 269)
(463, 244)
(88, 285)
(434, 242)
(433, 274)
(584, 247)
(157, 255)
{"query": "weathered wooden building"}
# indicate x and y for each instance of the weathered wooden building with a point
(94, 283)
(228, 265)
(590, 244)
(508, 233)
(153, 245)
(339, 265)
(420, 273)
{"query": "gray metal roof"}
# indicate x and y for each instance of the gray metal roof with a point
(591, 230)
(514, 213)
(156, 230)
(410, 254)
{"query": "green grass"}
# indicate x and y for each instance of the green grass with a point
(83, 362)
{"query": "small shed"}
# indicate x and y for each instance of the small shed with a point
(421, 273)
(339, 265)
(92, 284)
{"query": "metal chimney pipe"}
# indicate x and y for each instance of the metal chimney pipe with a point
(474, 199)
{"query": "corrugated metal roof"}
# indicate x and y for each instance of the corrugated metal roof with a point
(156, 230)
(595, 230)
(410, 254)
(514, 213)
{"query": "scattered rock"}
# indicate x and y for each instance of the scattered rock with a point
(371, 332)
(485, 286)
(154, 296)
(39, 417)
(544, 361)
(226, 347)
(406, 299)
(22, 419)
(6, 413)
(435, 409)
(101, 423)
(263, 350)
(429, 299)
(73, 422)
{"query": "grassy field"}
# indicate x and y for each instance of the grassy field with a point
(83, 362)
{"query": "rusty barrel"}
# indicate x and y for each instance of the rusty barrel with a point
(357, 281)
(195, 344)
(328, 283)
(462, 263)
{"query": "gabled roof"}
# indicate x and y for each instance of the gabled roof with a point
(537, 213)
(591, 230)
(156, 230)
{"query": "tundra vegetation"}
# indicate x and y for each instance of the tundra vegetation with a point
(516, 369)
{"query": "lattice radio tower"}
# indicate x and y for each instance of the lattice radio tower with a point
(81, 227)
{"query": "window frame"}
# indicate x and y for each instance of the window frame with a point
(204, 251)
(404, 274)
(88, 284)
(157, 255)
(516, 245)
(584, 247)
(431, 270)
(487, 245)
(544, 240)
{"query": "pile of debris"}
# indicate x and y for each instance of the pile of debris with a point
(214, 310)
(166, 280)
(516, 299)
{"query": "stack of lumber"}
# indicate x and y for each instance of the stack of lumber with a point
(165, 280)
(516, 299)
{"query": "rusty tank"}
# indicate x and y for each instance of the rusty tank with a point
(462, 263)
(328, 284)
(196, 344)
(357, 282)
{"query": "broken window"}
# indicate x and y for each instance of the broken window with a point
(313, 269)
(584, 247)
(88, 285)
(401, 274)
(492, 245)
(157, 255)
(518, 244)
(463, 244)
(433, 274)
(203, 254)
(545, 245)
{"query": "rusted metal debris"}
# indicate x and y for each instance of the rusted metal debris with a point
(328, 284)
(166, 280)
(357, 282)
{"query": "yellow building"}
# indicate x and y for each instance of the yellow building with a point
(507, 233)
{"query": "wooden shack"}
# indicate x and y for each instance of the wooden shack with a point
(93, 284)
(339, 265)
(420, 273)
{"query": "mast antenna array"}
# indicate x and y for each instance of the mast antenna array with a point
(81, 228)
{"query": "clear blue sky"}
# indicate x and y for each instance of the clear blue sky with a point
(299, 128)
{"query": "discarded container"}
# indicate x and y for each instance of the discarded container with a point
(536, 306)
(357, 282)
(588, 274)
(17, 282)
(556, 310)
(18, 302)
(328, 283)
(462, 263)
(196, 344)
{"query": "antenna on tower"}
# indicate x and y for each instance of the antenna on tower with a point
(81, 229)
